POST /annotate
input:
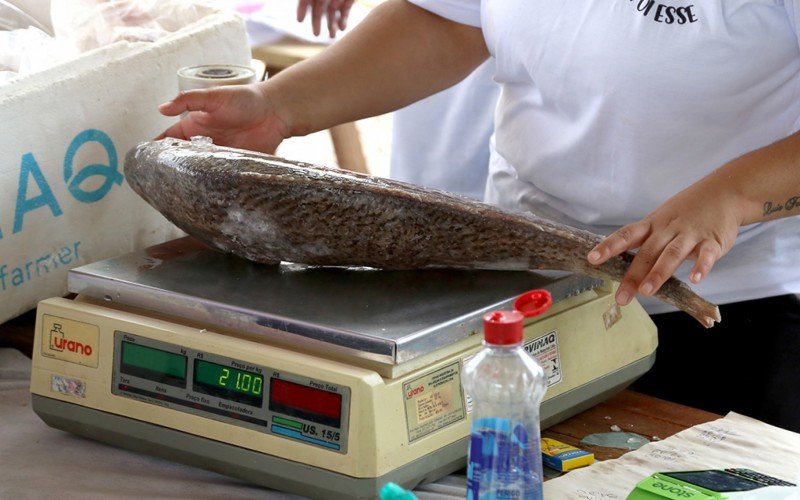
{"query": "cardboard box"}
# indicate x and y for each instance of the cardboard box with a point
(66, 130)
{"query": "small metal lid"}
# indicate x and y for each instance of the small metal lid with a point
(214, 75)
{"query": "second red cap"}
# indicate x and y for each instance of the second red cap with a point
(533, 303)
(502, 327)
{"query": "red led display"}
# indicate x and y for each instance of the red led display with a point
(305, 402)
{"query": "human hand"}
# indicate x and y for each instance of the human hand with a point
(336, 11)
(700, 223)
(239, 116)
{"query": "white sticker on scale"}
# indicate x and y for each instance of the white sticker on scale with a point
(545, 350)
(433, 401)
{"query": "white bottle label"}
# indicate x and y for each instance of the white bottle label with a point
(504, 461)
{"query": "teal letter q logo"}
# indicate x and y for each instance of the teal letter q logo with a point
(109, 172)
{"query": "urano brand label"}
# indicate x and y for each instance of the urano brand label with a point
(70, 340)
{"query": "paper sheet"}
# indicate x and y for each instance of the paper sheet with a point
(733, 441)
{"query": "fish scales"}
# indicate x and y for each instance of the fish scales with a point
(268, 209)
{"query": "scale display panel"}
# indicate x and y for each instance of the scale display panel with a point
(229, 383)
(253, 396)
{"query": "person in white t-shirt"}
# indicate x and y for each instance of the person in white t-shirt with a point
(443, 141)
(670, 127)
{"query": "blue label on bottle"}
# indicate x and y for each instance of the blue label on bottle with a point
(504, 461)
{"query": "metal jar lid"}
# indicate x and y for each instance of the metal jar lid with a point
(214, 75)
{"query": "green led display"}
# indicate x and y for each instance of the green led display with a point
(139, 358)
(228, 379)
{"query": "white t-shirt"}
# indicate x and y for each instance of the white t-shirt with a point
(608, 108)
(442, 142)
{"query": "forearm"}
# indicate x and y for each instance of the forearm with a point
(399, 54)
(766, 182)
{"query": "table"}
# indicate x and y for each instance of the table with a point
(631, 411)
(282, 54)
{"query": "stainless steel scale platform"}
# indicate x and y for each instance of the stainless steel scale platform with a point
(326, 382)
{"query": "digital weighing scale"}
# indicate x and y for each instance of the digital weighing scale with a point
(325, 382)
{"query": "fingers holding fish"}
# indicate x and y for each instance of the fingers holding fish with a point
(657, 260)
(188, 100)
(662, 247)
(622, 240)
(700, 223)
(195, 123)
(229, 102)
(708, 252)
(238, 115)
(651, 245)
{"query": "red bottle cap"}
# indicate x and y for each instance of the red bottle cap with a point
(502, 327)
(533, 303)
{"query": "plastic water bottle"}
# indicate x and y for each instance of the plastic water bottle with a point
(506, 385)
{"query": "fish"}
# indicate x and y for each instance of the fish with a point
(269, 209)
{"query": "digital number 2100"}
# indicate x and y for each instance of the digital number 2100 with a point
(244, 382)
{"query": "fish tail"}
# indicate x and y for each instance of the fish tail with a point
(678, 294)
(673, 291)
